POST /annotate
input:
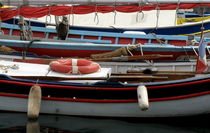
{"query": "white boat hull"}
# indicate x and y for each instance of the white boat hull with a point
(182, 107)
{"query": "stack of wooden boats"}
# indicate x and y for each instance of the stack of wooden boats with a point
(160, 89)
(178, 46)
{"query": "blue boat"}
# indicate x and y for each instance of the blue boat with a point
(185, 29)
(71, 49)
(102, 37)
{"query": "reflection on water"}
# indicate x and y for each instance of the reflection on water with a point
(17, 123)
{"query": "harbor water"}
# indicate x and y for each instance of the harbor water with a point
(18, 123)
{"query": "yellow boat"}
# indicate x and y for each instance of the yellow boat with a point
(191, 19)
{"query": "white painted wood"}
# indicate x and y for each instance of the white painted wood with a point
(181, 107)
(28, 69)
(122, 67)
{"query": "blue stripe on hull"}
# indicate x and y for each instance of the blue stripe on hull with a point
(178, 30)
(172, 30)
(99, 47)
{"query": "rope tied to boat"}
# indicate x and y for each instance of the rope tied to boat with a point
(150, 62)
(115, 12)
(127, 48)
(157, 15)
(195, 51)
(26, 47)
(140, 11)
(140, 46)
(5, 68)
(177, 9)
(96, 15)
(156, 38)
(25, 30)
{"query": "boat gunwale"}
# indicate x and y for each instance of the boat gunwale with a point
(102, 85)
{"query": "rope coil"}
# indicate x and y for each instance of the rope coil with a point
(5, 68)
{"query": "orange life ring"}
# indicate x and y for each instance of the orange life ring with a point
(74, 66)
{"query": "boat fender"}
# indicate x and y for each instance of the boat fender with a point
(34, 102)
(63, 29)
(143, 97)
(74, 66)
(134, 32)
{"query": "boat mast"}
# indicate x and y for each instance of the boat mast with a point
(93, 2)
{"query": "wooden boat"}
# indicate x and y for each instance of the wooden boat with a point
(117, 66)
(103, 37)
(97, 37)
(130, 25)
(143, 27)
(71, 49)
(190, 17)
(168, 95)
(186, 29)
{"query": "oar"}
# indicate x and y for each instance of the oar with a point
(133, 58)
(152, 72)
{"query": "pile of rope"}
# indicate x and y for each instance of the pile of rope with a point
(6, 49)
(124, 51)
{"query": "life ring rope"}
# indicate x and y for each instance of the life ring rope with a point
(74, 62)
(75, 70)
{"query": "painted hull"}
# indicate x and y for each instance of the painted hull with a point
(116, 67)
(103, 37)
(69, 49)
(170, 30)
(183, 97)
(183, 107)
(185, 29)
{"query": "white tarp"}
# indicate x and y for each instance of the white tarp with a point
(147, 19)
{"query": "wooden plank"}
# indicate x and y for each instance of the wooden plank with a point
(174, 72)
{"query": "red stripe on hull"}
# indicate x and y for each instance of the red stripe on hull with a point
(106, 100)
